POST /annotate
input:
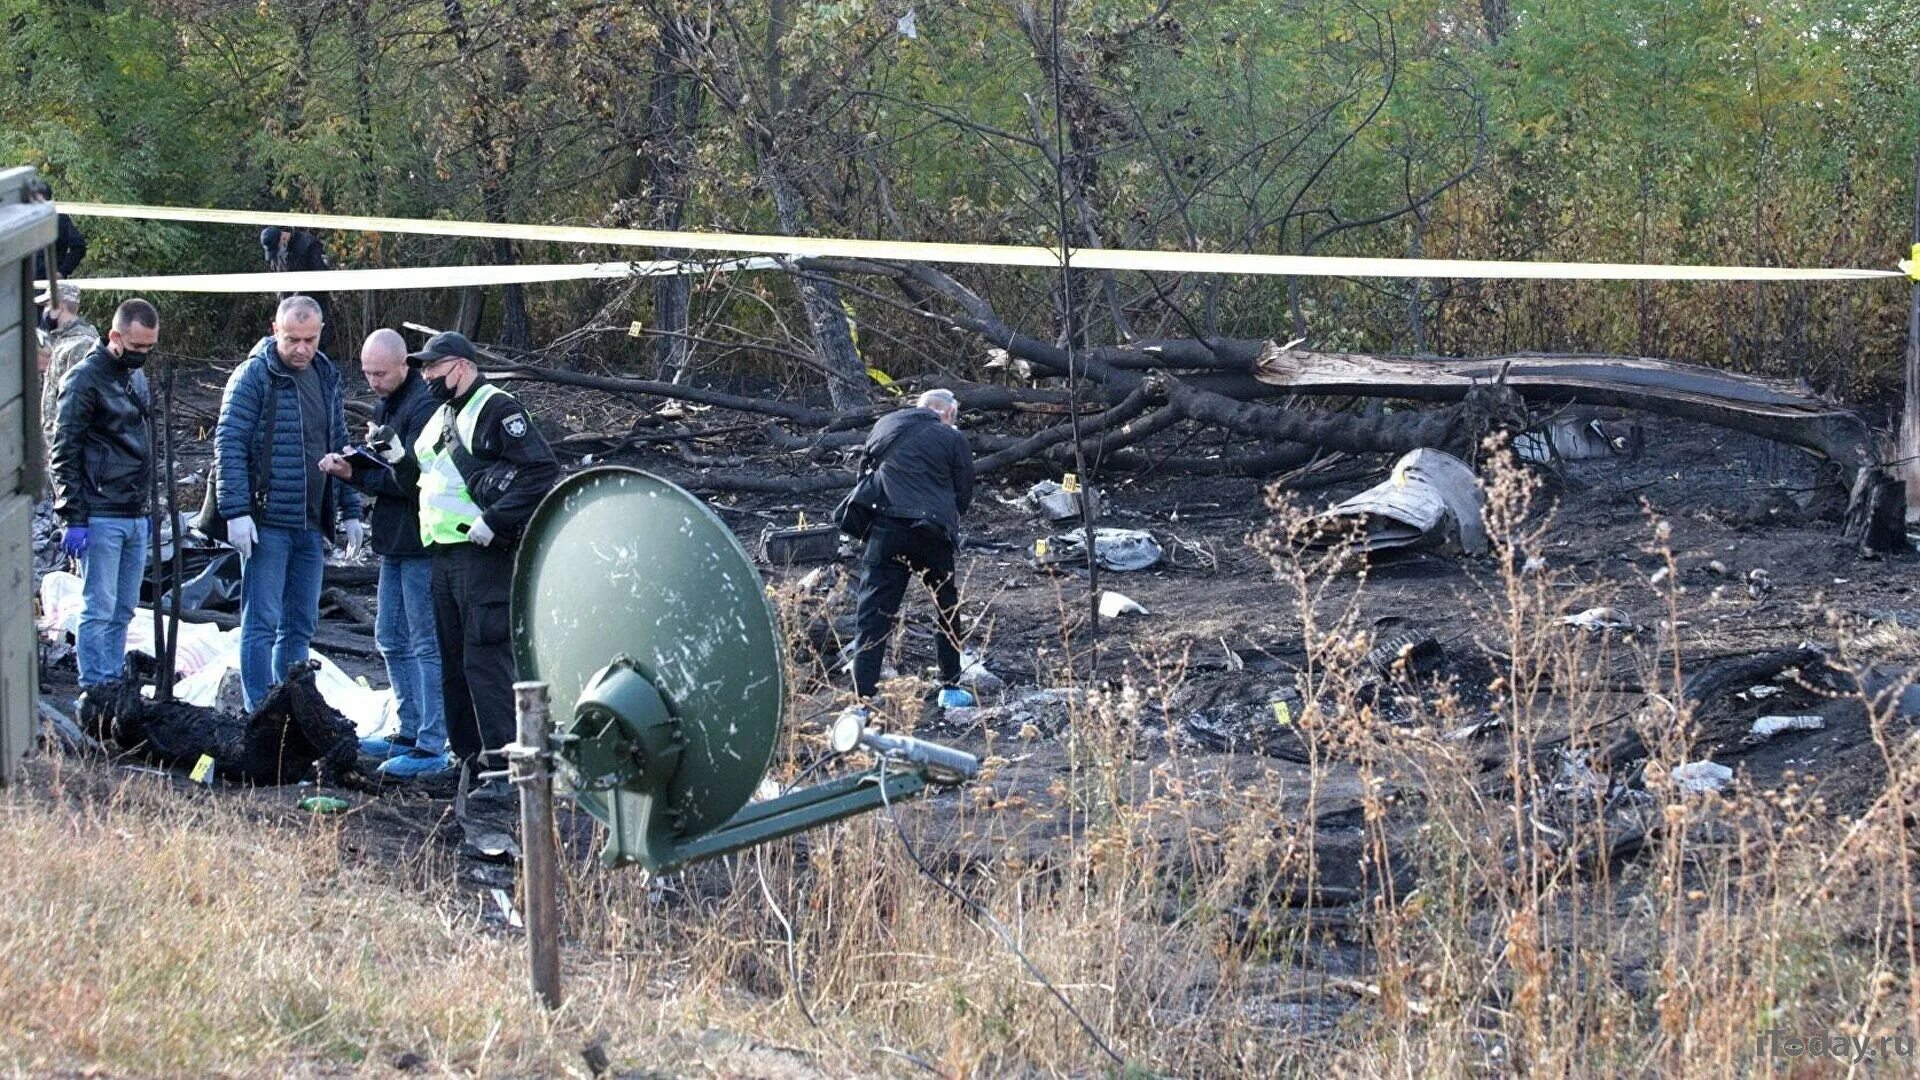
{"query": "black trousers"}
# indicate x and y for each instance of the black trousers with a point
(896, 551)
(471, 586)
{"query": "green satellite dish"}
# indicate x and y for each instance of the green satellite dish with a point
(645, 618)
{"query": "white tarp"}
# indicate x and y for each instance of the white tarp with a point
(207, 654)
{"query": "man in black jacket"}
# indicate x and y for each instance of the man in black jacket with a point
(102, 464)
(294, 250)
(925, 474)
(404, 628)
(69, 246)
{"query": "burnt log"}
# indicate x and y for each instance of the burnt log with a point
(616, 384)
(1135, 404)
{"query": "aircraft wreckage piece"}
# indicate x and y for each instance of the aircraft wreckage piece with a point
(1772, 408)
(1431, 500)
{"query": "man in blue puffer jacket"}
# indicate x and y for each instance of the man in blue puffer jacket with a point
(281, 414)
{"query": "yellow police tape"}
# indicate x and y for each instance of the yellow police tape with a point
(1179, 262)
(407, 277)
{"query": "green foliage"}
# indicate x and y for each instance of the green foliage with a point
(1643, 130)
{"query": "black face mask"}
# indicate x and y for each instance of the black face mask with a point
(440, 388)
(133, 361)
(47, 320)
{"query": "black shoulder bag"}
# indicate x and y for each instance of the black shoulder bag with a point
(855, 513)
(208, 521)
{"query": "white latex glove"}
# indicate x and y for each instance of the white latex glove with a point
(386, 442)
(479, 533)
(356, 531)
(242, 535)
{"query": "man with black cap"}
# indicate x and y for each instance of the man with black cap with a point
(483, 469)
(70, 337)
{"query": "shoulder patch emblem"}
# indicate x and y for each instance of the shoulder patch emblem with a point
(516, 425)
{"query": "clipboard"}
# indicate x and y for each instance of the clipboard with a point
(363, 457)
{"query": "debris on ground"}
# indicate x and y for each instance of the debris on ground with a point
(800, 543)
(47, 528)
(822, 579)
(488, 845)
(975, 676)
(1113, 605)
(68, 733)
(1600, 620)
(1120, 550)
(1702, 776)
(1573, 439)
(1051, 501)
(1414, 652)
(1766, 727)
(1431, 501)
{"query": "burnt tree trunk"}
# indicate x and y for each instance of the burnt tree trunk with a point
(673, 107)
(820, 295)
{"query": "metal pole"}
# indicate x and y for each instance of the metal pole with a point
(531, 762)
(1086, 477)
(157, 564)
(174, 522)
(1910, 410)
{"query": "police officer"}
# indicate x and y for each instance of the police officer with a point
(483, 469)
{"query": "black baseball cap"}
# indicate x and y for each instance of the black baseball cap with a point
(440, 346)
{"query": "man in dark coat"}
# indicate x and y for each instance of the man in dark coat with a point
(102, 464)
(404, 628)
(291, 250)
(282, 412)
(925, 474)
(69, 245)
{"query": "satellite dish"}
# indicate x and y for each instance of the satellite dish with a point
(646, 620)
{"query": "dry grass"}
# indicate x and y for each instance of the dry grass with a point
(1160, 893)
(159, 937)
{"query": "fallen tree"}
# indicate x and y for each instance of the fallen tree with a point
(1249, 390)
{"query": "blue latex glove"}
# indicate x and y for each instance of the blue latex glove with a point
(954, 697)
(74, 540)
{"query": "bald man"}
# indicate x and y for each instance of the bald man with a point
(404, 628)
(925, 469)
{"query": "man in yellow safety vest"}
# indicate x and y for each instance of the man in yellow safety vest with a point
(483, 469)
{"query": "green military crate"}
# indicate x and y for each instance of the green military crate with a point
(25, 228)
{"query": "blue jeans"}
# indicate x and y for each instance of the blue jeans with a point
(110, 574)
(279, 606)
(404, 631)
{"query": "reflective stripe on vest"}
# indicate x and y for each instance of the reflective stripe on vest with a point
(446, 508)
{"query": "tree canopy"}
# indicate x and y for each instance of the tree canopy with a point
(1639, 131)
